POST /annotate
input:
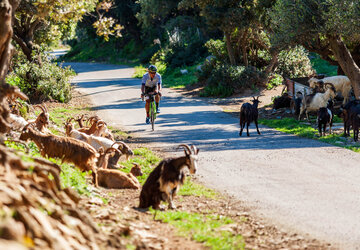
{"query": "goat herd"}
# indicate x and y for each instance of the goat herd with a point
(324, 94)
(92, 147)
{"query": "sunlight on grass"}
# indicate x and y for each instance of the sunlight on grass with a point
(207, 229)
(293, 126)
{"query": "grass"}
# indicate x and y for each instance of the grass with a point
(172, 78)
(321, 66)
(208, 229)
(293, 126)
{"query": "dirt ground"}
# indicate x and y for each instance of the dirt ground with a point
(124, 225)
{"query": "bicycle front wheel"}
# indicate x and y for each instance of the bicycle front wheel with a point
(152, 115)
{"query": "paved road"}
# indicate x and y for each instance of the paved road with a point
(300, 184)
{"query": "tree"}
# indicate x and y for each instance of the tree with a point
(330, 28)
(33, 16)
(6, 13)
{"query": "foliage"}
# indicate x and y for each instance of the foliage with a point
(46, 82)
(203, 228)
(294, 63)
(311, 23)
(321, 66)
(275, 80)
(217, 48)
(223, 80)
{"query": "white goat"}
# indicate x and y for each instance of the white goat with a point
(316, 101)
(341, 83)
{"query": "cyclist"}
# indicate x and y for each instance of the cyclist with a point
(151, 83)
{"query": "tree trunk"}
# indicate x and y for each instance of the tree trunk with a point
(5, 38)
(24, 35)
(270, 67)
(230, 49)
(347, 63)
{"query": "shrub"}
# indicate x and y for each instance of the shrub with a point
(294, 62)
(223, 80)
(47, 81)
(275, 80)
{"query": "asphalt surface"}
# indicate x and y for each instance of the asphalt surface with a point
(301, 185)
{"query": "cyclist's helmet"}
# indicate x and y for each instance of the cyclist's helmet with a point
(152, 68)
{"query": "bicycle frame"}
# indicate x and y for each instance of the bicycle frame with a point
(152, 111)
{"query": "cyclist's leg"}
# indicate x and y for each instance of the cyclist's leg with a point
(147, 108)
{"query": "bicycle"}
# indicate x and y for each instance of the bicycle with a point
(152, 109)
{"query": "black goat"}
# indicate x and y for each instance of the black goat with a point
(165, 180)
(349, 108)
(325, 116)
(283, 101)
(249, 113)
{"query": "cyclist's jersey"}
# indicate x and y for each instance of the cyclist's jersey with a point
(151, 83)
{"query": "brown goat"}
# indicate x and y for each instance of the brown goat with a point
(110, 178)
(68, 149)
(42, 121)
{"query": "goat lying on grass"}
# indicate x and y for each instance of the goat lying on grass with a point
(249, 114)
(68, 149)
(111, 178)
(165, 180)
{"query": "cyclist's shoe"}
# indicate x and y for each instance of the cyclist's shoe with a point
(157, 110)
(147, 120)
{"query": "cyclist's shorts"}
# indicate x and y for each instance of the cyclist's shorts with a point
(148, 89)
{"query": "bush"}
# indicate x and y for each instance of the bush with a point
(294, 63)
(275, 80)
(46, 82)
(223, 80)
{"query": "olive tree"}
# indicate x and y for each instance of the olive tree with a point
(34, 16)
(330, 28)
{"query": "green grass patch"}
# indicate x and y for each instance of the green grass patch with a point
(321, 66)
(172, 78)
(300, 128)
(207, 229)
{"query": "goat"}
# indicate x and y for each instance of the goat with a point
(348, 112)
(42, 120)
(248, 114)
(316, 86)
(80, 120)
(110, 178)
(325, 116)
(100, 142)
(354, 114)
(316, 101)
(296, 103)
(68, 149)
(283, 101)
(165, 180)
(342, 84)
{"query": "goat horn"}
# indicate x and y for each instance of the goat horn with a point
(186, 148)
(20, 94)
(100, 122)
(193, 147)
(43, 104)
(112, 149)
(39, 106)
(69, 119)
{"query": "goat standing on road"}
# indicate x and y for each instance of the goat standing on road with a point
(249, 113)
(325, 117)
(165, 180)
